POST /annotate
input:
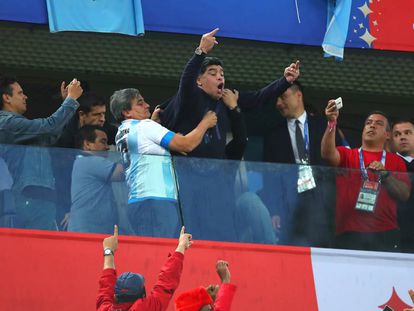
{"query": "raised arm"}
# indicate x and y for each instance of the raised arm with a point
(226, 291)
(328, 149)
(188, 88)
(25, 129)
(189, 142)
(169, 277)
(105, 299)
(110, 245)
(272, 91)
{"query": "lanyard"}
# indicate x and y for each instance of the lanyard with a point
(362, 165)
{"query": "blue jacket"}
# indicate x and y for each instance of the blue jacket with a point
(17, 129)
(31, 166)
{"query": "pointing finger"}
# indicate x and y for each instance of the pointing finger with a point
(182, 230)
(213, 32)
(116, 231)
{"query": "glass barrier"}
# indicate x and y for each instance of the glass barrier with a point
(253, 202)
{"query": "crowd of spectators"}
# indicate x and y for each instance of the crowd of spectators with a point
(366, 203)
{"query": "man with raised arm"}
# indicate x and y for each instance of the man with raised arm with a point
(213, 297)
(202, 89)
(34, 184)
(368, 191)
(127, 292)
(17, 129)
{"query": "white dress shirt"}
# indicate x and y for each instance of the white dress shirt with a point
(292, 129)
(406, 158)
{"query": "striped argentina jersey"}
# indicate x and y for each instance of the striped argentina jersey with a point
(149, 173)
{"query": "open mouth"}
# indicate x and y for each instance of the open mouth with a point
(220, 86)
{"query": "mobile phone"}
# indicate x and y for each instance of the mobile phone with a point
(338, 103)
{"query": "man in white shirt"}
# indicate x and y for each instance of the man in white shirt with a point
(299, 199)
(403, 144)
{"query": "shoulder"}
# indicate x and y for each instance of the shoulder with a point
(395, 162)
(6, 115)
(346, 153)
(279, 132)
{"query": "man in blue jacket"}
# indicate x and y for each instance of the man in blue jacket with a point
(30, 166)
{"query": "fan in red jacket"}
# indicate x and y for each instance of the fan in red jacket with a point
(128, 291)
(214, 297)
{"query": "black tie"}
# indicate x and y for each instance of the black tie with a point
(300, 143)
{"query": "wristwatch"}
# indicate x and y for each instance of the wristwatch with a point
(108, 252)
(198, 51)
(236, 109)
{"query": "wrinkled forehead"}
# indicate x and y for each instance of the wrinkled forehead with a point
(376, 117)
(98, 108)
(214, 69)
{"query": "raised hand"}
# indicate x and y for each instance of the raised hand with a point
(230, 98)
(112, 241)
(292, 72)
(184, 241)
(208, 41)
(210, 118)
(74, 89)
(331, 112)
(222, 268)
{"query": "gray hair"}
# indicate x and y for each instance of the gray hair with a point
(121, 100)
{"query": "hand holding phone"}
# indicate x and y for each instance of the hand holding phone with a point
(338, 103)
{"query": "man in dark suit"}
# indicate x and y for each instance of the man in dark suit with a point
(300, 199)
(403, 143)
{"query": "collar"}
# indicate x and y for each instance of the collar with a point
(409, 159)
(302, 119)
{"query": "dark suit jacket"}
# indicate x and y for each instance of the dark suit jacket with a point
(306, 218)
(278, 147)
(406, 215)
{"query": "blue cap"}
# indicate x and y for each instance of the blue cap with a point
(129, 287)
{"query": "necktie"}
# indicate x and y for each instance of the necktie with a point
(300, 143)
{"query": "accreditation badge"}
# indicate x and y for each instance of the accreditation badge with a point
(367, 197)
(305, 179)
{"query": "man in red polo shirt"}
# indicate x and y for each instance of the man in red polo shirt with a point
(368, 192)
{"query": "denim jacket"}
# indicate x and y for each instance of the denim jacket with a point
(30, 165)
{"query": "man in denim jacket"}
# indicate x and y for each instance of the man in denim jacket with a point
(30, 166)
